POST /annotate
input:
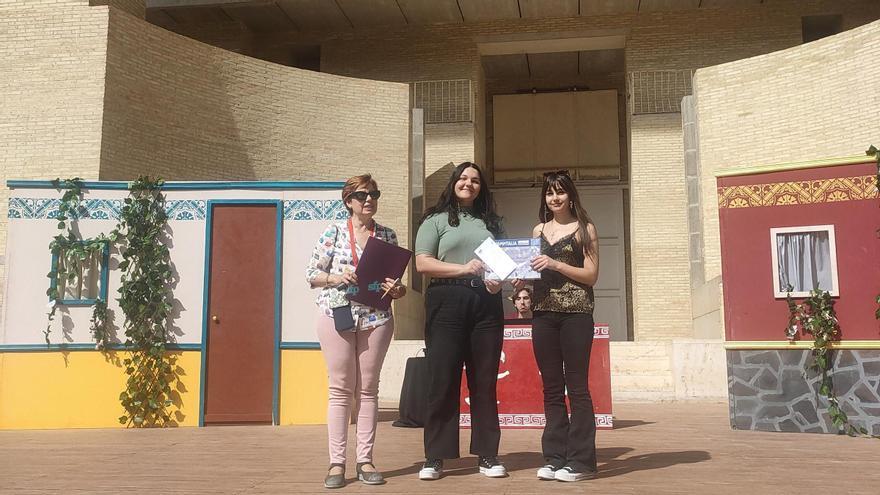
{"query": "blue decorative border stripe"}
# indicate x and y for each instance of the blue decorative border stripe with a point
(99, 209)
(185, 209)
(33, 207)
(40, 208)
(315, 209)
(177, 209)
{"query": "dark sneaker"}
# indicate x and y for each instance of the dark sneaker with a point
(335, 480)
(569, 474)
(369, 477)
(492, 467)
(431, 470)
(547, 472)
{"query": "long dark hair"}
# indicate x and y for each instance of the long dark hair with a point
(561, 182)
(484, 204)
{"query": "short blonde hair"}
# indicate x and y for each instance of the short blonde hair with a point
(352, 185)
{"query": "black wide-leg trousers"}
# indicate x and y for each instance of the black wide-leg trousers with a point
(562, 343)
(463, 326)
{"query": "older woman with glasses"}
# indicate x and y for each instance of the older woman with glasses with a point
(354, 338)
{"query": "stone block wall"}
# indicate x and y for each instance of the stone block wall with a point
(773, 390)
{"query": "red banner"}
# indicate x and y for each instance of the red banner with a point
(519, 389)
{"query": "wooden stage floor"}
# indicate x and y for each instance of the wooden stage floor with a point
(656, 448)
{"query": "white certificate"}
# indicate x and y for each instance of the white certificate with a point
(522, 251)
(495, 258)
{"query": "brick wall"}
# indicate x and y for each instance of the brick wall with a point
(245, 143)
(184, 110)
(136, 8)
(409, 56)
(686, 39)
(659, 237)
(445, 143)
(662, 297)
(51, 95)
(810, 102)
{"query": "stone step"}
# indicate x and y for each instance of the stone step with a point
(641, 383)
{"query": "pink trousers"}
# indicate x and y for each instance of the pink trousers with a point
(354, 360)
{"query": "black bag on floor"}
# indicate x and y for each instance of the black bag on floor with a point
(414, 393)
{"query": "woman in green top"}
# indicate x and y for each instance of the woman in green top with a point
(464, 321)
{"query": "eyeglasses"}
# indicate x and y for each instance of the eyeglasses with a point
(362, 195)
(557, 172)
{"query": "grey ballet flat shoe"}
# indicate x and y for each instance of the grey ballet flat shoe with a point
(369, 477)
(335, 480)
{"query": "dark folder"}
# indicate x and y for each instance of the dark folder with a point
(380, 260)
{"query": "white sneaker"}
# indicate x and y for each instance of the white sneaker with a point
(547, 472)
(431, 470)
(569, 474)
(491, 467)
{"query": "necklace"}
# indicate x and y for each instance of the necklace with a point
(558, 232)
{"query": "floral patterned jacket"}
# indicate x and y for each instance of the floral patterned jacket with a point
(332, 255)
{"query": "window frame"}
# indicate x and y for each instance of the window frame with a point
(778, 291)
(103, 279)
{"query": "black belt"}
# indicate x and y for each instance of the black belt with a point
(467, 282)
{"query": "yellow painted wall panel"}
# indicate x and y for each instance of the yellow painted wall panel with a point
(79, 389)
(303, 387)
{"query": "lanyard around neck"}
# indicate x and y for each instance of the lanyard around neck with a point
(353, 242)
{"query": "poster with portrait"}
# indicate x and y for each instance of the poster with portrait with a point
(519, 390)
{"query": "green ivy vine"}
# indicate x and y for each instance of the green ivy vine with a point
(144, 295)
(73, 254)
(817, 317)
(145, 300)
(874, 152)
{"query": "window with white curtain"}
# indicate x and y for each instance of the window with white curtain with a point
(804, 258)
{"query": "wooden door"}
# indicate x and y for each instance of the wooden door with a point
(240, 372)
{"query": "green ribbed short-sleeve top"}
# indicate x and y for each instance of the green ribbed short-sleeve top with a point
(451, 244)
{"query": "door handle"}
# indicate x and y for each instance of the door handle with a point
(215, 319)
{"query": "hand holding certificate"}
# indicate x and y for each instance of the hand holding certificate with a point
(495, 258)
(520, 252)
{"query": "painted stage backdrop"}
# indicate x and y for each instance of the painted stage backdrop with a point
(800, 225)
(79, 386)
